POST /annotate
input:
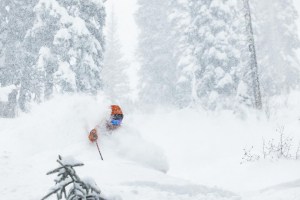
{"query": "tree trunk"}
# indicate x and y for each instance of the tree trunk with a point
(253, 59)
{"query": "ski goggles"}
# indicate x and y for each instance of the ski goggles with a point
(116, 122)
(116, 119)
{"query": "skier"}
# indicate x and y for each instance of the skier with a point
(113, 123)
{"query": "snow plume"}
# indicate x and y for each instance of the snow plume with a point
(129, 144)
(66, 121)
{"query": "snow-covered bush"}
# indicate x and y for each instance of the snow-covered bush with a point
(69, 185)
(274, 149)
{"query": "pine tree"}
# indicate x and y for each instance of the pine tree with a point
(13, 29)
(8, 101)
(86, 45)
(58, 48)
(69, 185)
(115, 78)
(155, 50)
(215, 46)
(68, 45)
(249, 88)
(277, 39)
(180, 19)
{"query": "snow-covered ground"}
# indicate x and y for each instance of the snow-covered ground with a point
(207, 149)
(169, 154)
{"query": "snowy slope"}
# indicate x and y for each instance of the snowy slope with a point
(176, 155)
(134, 168)
(206, 148)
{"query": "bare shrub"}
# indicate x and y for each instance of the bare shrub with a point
(249, 156)
(272, 149)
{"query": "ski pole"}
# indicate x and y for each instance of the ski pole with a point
(99, 150)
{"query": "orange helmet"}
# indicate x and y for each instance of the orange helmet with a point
(116, 110)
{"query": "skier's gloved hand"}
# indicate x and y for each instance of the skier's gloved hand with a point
(93, 136)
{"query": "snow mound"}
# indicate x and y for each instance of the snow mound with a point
(128, 143)
(283, 186)
(289, 190)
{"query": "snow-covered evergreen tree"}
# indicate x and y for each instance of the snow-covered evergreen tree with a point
(68, 185)
(248, 90)
(58, 48)
(180, 19)
(156, 45)
(86, 43)
(215, 46)
(277, 39)
(12, 55)
(252, 56)
(8, 101)
(115, 78)
(68, 41)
